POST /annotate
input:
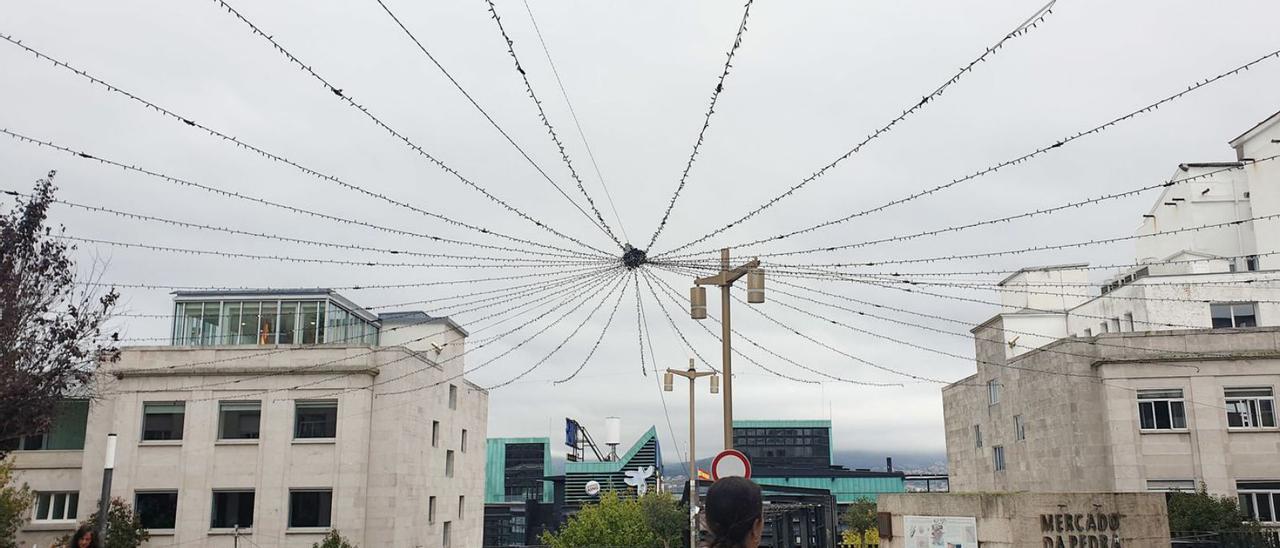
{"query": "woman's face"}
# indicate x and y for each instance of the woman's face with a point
(86, 541)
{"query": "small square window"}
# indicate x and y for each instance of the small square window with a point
(431, 509)
(162, 420)
(448, 463)
(453, 396)
(232, 509)
(310, 507)
(157, 510)
(315, 419)
(239, 420)
(56, 506)
(435, 433)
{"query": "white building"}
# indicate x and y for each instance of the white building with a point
(1162, 378)
(285, 413)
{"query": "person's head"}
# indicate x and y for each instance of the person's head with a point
(734, 513)
(85, 538)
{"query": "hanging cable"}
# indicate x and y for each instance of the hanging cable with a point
(595, 346)
(657, 378)
(706, 122)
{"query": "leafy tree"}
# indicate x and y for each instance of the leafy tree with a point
(860, 518)
(50, 331)
(15, 503)
(655, 520)
(1202, 512)
(333, 540)
(124, 527)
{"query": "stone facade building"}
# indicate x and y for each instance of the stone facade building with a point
(276, 416)
(1163, 379)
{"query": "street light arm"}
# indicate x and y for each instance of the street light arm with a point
(727, 277)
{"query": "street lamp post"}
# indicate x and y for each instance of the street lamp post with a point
(667, 385)
(104, 502)
(698, 310)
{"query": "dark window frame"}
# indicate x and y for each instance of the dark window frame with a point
(142, 509)
(322, 521)
(213, 508)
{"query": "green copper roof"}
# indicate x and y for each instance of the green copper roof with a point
(846, 490)
(495, 464)
(612, 466)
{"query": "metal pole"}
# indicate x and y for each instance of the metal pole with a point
(725, 356)
(693, 465)
(104, 501)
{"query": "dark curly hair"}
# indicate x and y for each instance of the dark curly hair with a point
(86, 529)
(732, 507)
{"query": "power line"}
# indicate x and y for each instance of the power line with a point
(706, 122)
(464, 92)
(573, 114)
(996, 167)
(546, 123)
(242, 144)
(408, 142)
(1030, 23)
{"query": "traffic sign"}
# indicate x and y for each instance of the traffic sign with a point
(730, 463)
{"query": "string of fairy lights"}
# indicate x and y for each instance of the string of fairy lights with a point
(577, 288)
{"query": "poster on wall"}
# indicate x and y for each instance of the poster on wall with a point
(949, 532)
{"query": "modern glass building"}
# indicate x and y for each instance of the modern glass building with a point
(270, 317)
(517, 494)
(800, 453)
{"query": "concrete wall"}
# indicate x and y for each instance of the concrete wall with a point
(1028, 519)
(381, 466)
(1264, 189)
(1189, 205)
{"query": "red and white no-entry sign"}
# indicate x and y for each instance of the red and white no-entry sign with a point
(730, 463)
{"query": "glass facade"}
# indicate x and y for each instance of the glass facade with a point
(785, 447)
(269, 321)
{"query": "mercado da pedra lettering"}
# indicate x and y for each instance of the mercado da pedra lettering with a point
(1092, 530)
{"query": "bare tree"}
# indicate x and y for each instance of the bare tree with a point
(51, 336)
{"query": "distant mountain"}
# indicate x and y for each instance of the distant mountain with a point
(920, 462)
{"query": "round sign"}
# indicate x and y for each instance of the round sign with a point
(593, 488)
(730, 463)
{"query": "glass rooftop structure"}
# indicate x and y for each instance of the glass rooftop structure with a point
(269, 317)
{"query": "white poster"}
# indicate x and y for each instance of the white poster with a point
(950, 532)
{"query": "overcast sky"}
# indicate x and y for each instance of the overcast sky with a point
(810, 80)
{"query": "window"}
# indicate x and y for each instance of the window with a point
(239, 420)
(1233, 315)
(453, 396)
(435, 433)
(315, 419)
(448, 463)
(1019, 428)
(997, 457)
(34, 442)
(977, 435)
(1128, 321)
(1103, 328)
(1161, 410)
(1260, 500)
(1251, 262)
(462, 504)
(445, 540)
(463, 446)
(1088, 332)
(157, 510)
(232, 509)
(162, 420)
(1115, 325)
(431, 509)
(56, 506)
(310, 507)
(993, 392)
(1250, 407)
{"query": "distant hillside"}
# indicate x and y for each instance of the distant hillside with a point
(911, 462)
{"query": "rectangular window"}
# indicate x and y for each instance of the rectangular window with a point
(239, 420)
(462, 505)
(431, 509)
(1260, 500)
(977, 435)
(232, 509)
(993, 392)
(1128, 321)
(448, 463)
(1250, 407)
(268, 323)
(288, 323)
(315, 419)
(311, 324)
(248, 329)
(463, 445)
(997, 457)
(162, 420)
(453, 397)
(435, 433)
(56, 506)
(1161, 410)
(1088, 332)
(1103, 328)
(445, 540)
(157, 510)
(1019, 428)
(1226, 315)
(1115, 325)
(1251, 262)
(310, 507)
